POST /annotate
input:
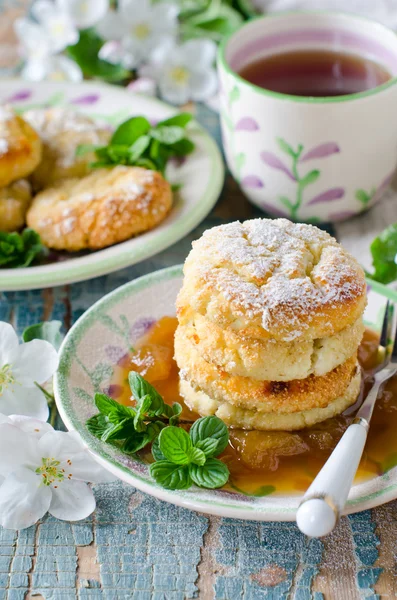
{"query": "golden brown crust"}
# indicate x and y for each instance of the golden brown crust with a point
(240, 418)
(14, 203)
(20, 147)
(272, 279)
(263, 396)
(269, 359)
(62, 130)
(103, 208)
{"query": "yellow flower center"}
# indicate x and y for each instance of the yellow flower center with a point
(51, 472)
(57, 28)
(6, 378)
(141, 31)
(83, 8)
(180, 75)
(57, 76)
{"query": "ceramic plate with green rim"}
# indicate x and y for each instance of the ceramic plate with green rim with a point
(87, 360)
(200, 177)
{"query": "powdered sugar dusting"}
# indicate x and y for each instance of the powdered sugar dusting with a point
(284, 276)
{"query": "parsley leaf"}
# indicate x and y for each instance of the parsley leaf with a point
(19, 249)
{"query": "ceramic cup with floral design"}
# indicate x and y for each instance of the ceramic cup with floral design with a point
(309, 158)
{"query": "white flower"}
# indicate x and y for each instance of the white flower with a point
(184, 72)
(56, 23)
(52, 68)
(45, 470)
(140, 27)
(84, 13)
(20, 367)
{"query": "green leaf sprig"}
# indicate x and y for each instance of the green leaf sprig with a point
(384, 255)
(133, 428)
(185, 458)
(181, 458)
(50, 331)
(19, 249)
(136, 143)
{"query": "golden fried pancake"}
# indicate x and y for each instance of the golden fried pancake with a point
(272, 279)
(14, 203)
(268, 358)
(103, 208)
(263, 396)
(62, 130)
(20, 147)
(240, 418)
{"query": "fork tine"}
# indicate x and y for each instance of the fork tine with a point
(383, 341)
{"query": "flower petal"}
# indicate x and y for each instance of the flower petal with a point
(164, 17)
(42, 10)
(16, 449)
(35, 70)
(84, 13)
(203, 84)
(71, 501)
(60, 444)
(112, 26)
(63, 68)
(27, 401)
(8, 343)
(174, 93)
(198, 53)
(34, 361)
(29, 425)
(23, 500)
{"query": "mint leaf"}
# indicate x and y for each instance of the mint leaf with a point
(83, 149)
(50, 331)
(208, 446)
(384, 253)
(180, 120)
(210, 427)
(176, 411)
(107, 405)
(97, 425)
(156, 452)
(176, 445)
(141, 411)
(138, 148)
(171, 476)
(128, 132)
(141, 388)
(182, 147)
(197, 456)
(213, 474)
(19, 249)
(168, 135)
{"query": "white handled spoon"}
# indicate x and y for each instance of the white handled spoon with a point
(325, 499)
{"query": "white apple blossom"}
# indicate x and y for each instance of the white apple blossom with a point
(56, 22)
(84, 13)
(183, 72)
(44, 470)
(138, 27)
(21, 367)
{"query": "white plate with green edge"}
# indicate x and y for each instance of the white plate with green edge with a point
(87, 359)
(200, 177)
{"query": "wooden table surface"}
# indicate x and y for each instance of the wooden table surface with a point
(137, 547)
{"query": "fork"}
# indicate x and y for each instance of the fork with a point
(325, 499)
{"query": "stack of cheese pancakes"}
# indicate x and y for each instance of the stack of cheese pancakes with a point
(270, 320)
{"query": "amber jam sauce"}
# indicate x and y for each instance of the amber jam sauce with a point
(263, 462)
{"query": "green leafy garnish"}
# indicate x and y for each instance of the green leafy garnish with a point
(384, 253)
(19, 249)
(193, 453)
(136, 142)
(132, 428)
(50, 331)
(181, 458)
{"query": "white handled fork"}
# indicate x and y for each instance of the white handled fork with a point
(325, 499)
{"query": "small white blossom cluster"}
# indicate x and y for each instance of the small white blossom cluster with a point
(140, 35)
(40, 469)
